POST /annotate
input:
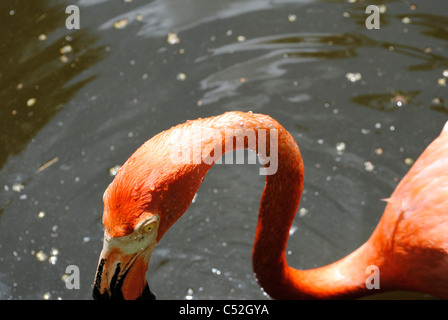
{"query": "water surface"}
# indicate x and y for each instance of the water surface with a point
(362, 105)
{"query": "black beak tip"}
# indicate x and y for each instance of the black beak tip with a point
(147, 294)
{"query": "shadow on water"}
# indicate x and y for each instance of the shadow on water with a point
(38, 69)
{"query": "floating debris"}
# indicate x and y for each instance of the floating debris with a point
(189, 295)
(369, 166)
(216, 271)
(382, 8)
(379, 151)
(445, 73)
(409, 161)
(406, 20)
(241, 38)
(303, 212)
(340, 146)
(353, 77)
(66, 49)
(413, 7)
(52, 260)
(64, 277)
(41, 214)
(42, 37)
(114, 170)
(441, 82)
(181, 76)
(139, 17)
(41, 256)
(292, 17)
(47, 296)
(17, 187)
(172, 38)
(31, 102)
(121, 24)
(48, 164)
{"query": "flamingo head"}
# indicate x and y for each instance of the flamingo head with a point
(127, 247)
(146, 197)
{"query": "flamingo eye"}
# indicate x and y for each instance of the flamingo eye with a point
(150, 226)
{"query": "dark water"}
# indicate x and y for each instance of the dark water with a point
(76, 103)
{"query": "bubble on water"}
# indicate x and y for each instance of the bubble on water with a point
(46, 296)
(216, 271)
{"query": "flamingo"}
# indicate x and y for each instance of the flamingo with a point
(154, 187)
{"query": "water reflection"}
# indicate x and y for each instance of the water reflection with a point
(386, 102)
(40, 66)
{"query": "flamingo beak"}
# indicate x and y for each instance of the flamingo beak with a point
(121, 272)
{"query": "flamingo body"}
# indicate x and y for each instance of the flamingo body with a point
(155, 187)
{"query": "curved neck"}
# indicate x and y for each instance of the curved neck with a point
(279, 202)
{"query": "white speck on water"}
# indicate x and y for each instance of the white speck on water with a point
(189, 295)
(41, 256)
(181, 76)
(369, 166)
(17, 187)
(292, 17)
(365, 131)
(216, 271)
(53, 260)
(292, 230)
(340, 146)
(353, 77)
(172, 38)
